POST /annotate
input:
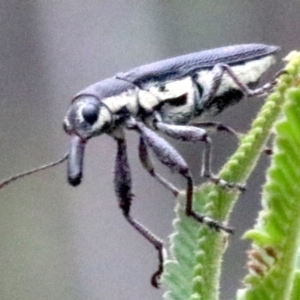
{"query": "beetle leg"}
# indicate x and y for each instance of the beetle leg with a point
(218, 72)
(216, 126)
(169, 156)
(148, 165)
(123, 186)
(193, 134)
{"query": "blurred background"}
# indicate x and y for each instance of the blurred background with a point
(59, 242)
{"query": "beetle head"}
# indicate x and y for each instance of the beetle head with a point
(87, 117)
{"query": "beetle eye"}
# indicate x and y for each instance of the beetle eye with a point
(90, 113)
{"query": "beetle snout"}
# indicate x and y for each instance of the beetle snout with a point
(75, 160)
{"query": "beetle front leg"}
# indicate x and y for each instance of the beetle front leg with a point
(123, 187)
(193, 134)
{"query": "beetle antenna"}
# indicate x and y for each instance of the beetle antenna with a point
(9, 180)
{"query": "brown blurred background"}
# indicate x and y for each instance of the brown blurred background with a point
(59, 242)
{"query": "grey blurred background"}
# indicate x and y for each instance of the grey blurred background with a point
(59, 242)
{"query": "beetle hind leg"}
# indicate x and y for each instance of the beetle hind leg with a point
(217, 127)
(193, 134)
(206, 171)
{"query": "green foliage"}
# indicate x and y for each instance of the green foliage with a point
(276, 236)
(194, 265)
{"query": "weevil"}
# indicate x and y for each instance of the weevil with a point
(163, 97)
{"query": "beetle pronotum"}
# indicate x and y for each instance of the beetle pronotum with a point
(163, 97)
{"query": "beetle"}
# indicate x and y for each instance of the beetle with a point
(163, 97)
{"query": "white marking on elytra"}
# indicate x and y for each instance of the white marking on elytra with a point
(172, 90)
(148, 99)
(179, 88)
